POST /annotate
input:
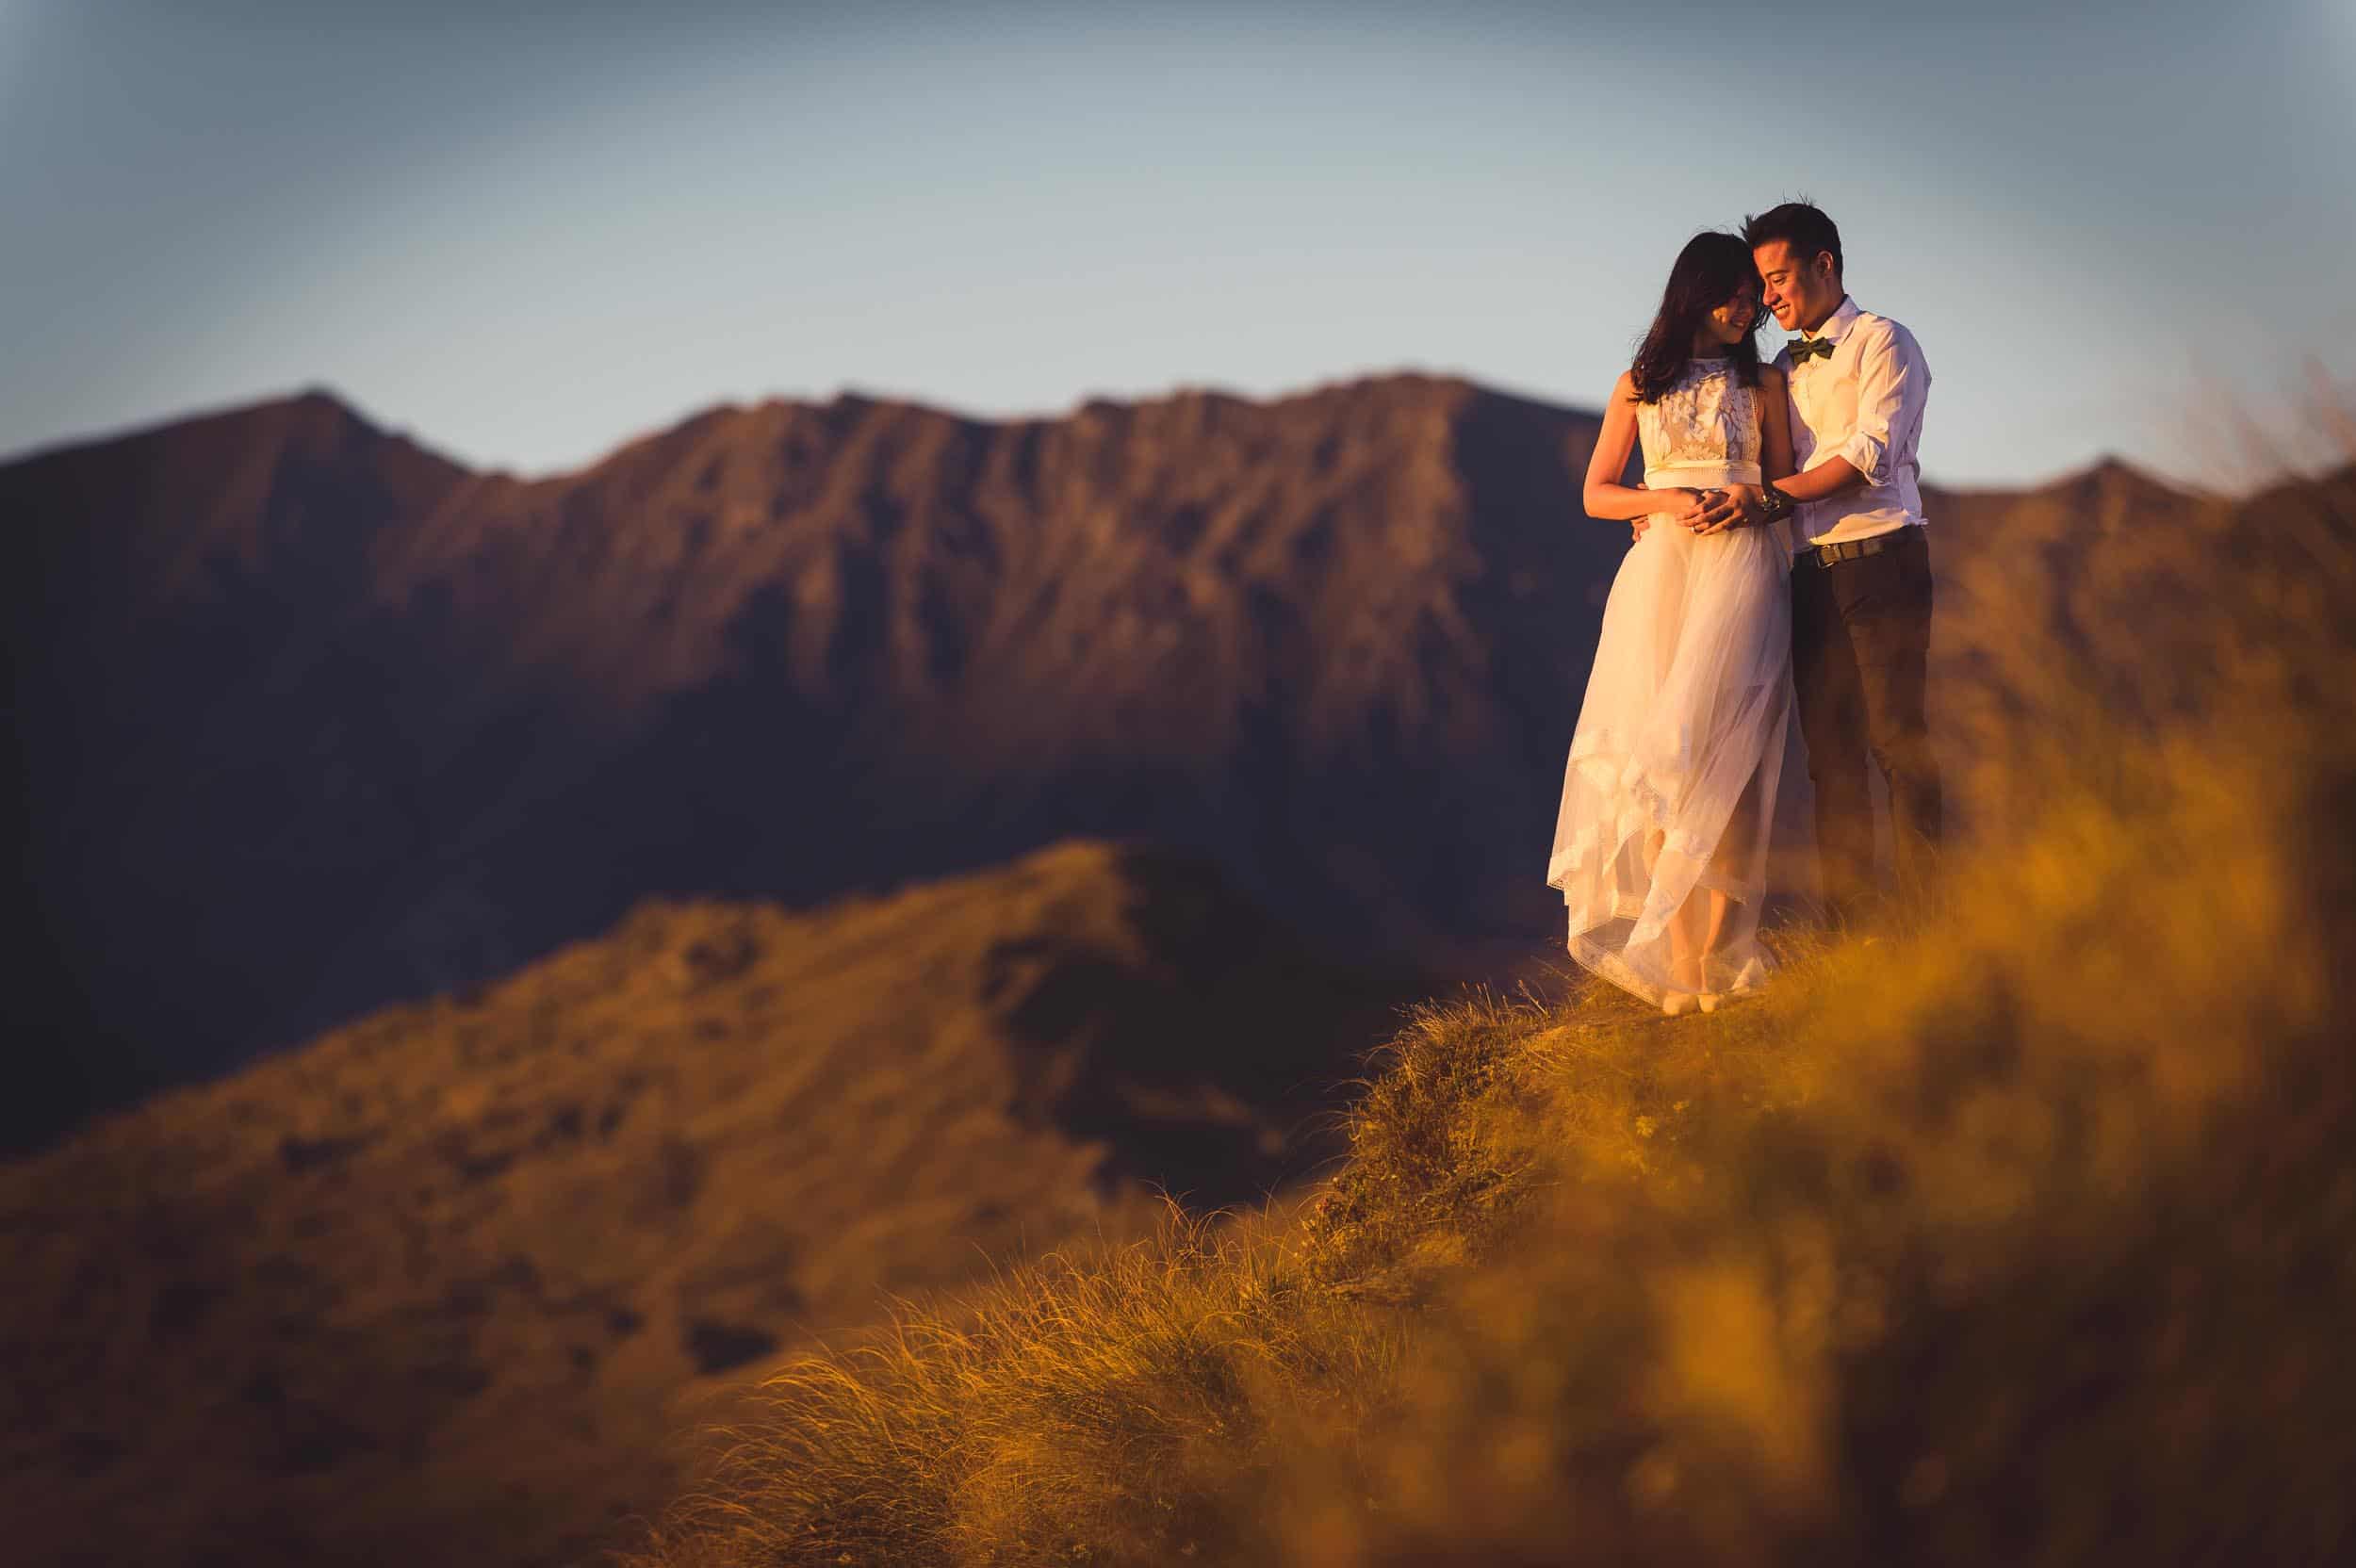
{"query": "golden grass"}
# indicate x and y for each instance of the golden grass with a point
(2023, 1232)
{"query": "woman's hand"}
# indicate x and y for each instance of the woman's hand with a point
(1682, 503)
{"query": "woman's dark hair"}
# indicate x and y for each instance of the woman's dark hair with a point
(1711, 270)
(1798, 225)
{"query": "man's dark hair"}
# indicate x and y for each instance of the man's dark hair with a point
(1798, 225)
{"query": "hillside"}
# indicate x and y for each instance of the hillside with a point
(392, 728)
(310, 720)
(484, 1274)
(2022, 1231)
(447, 1284)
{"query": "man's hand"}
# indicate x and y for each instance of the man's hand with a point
(1722, 510)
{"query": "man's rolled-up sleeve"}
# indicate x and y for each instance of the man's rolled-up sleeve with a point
(1892, 383)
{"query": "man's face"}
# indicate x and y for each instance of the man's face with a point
(1798, 289)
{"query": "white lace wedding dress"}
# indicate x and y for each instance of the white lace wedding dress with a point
(1670, 787)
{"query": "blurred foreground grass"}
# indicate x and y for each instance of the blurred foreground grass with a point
(2024, 1232)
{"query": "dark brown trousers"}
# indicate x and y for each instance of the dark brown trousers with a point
(1860, 645)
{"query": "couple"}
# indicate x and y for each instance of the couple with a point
(1714, 629)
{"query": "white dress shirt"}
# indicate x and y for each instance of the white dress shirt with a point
(1864, 403)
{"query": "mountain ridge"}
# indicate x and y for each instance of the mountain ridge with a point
(855, 397)
(311, 719)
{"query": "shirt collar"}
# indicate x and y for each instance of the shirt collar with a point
(1836, 326)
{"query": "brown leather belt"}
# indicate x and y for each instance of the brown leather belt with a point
(1824, 555)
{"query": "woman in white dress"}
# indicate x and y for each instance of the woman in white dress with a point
(1669, 792)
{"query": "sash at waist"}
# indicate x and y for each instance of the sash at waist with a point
(1703, 474)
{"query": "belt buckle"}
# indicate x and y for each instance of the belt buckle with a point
(1846, 550)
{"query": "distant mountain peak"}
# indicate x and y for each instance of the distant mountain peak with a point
(319, 394)
(2112, 474)
(315, 403)
(2110, 465)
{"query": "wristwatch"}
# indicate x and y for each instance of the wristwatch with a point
(1774, 504)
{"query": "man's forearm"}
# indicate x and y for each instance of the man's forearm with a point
(1832, 476)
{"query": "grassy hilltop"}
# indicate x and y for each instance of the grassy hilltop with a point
(2023, 1232)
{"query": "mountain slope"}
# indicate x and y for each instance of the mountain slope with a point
(445, 1283)
(310, 725)
(179, 664)
(789, 650)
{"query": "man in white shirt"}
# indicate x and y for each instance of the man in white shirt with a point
(1861, 573)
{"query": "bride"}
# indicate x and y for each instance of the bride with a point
(1660, 845)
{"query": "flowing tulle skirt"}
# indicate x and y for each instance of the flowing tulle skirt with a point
(1670, 788)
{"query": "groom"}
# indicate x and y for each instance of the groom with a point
(1861, 577)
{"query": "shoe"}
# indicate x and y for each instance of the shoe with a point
(1708, 1000)
(1677, 1003)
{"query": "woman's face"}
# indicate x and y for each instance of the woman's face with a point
(1738, 318)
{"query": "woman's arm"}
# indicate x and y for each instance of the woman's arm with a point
(1605, 496)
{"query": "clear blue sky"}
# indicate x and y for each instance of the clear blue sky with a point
(526, 236)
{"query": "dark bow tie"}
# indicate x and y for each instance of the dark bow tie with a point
(1804, 349)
